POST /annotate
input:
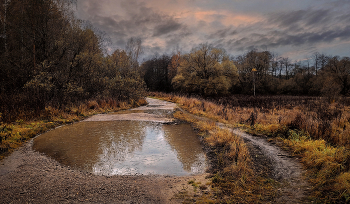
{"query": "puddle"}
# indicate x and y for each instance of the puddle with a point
(125, 148)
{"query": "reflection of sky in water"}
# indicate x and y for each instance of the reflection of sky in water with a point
(125, 147)
(156, 156)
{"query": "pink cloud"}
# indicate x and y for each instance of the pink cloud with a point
(226, 18)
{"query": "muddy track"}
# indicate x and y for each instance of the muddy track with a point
(30, 177)
(284, 168)
(271, 161)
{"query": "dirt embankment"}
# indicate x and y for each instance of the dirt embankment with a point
(29, 177)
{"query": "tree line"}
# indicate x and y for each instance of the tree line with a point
(48, 57)
(210, 71)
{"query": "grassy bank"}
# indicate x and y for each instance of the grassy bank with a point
(13, 135)
(233, 179)
(316, 131)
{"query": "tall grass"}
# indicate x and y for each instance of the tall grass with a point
(233, 179)
(314, 129)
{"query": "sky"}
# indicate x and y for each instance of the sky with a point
(289, 28)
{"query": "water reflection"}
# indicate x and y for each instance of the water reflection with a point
(125, 147)
(183, 140)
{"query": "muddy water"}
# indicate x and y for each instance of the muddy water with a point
(125, 147)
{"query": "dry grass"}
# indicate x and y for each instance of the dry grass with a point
(233, 179)
(316, 131)
(328, 166)
(13, 135)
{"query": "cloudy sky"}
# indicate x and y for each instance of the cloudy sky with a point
(291, 28)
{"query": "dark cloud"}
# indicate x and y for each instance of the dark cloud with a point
(223, 33)
(167, 27)
(284, 19)
(292, 29)
(302, 27)
(92, 7)
(301, 20)
(277, 39)
(135, 19)
(176, 38)
(133, 7)
(318, 17)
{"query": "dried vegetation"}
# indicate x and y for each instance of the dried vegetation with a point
(314, 129)
(232, 176)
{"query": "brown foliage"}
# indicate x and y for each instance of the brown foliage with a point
(52, 59)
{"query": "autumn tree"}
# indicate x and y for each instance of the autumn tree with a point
(122, 62)
(207, 71)
(127, 82)
(35, 35)
(174, 65)
(52, 58)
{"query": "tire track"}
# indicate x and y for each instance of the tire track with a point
(282, 166)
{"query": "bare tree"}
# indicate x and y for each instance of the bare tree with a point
(274, 63)
(323, 59)
(134, 50)
(307, 61)
(286, 63)
(316, 58)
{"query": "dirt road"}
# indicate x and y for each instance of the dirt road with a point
(27, 176)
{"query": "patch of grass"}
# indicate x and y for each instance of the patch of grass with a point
(233, 179)
(328, 166)
(194, 184)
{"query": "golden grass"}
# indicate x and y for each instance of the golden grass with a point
(13, 135)
(322, 144)
(233, 179)
(328, 166)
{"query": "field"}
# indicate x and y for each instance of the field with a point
(313, 129)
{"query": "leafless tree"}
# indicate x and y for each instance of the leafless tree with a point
(134, 50)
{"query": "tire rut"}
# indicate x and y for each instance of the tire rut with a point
(285, 169)
(271, 161)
